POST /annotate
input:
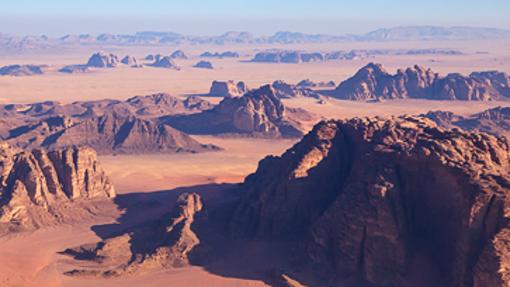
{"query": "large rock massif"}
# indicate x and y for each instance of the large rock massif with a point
(373, 82)
(39, 187)
(227, 89)
(257, 113)
(389, 202)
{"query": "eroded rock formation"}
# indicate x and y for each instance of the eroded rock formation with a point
(257, 113)
(373, 82)
(390, 202)
(164, 244)
(38, 187)
(227, 89)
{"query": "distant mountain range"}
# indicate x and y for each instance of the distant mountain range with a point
(404, 33)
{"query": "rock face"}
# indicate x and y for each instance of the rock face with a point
(389, 202)
(227, 89)
(22, 70)
(373, 82)
(257, 113)
(103, 60)
(165, 62)
(72, 69)
(204, 65)
(165, 244)
(37, 186)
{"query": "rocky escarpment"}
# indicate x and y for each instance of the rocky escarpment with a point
(22, 70)
(165, 243)
(227, 89)
(374, 82)
(39, 187)
(495, 121)
(288, 91)
(257, 113)
(204, 65)
(389, 202)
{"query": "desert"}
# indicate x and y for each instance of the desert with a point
(367, 158)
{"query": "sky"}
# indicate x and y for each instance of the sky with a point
(261, 17)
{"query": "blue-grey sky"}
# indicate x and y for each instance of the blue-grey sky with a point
(200, 17)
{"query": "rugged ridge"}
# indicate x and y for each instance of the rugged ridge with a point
(37, 186)
(373, 82)
(386, 201)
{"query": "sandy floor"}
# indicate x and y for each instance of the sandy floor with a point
(31, 259)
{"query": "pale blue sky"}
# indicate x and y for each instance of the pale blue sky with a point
(56, 17)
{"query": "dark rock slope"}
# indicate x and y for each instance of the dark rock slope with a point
(389, 202)
(374, 82)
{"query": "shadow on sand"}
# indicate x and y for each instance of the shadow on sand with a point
(218, 252)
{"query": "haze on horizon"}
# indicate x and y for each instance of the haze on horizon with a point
(59, 17)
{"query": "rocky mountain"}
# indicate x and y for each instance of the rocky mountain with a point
(165, 62)
(227, 89)
(287, 57)
(204, 65)
(409, 33)
(162, 244)
(257, 113)
(373, 82)
(387, 202)
(22, 70)
(10, 43)
(130, 61)
(494, 121)
(103, 60)
(109, 126)
(39, 188)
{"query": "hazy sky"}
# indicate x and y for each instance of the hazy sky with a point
(57, 17)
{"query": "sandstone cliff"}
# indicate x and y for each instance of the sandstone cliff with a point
(38, 186)
(387, 201)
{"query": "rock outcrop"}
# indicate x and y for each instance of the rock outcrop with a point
(287, 57)
(257, 113)
(226, 54)
(165, 62)
(165, 244)
(22, 70)
(307, 83)
(288, 91)
(130, 61)
(38, 187)
(204, 65)
(373, 82)
(227, 89)
(388, 202)
(103, 60)
(179, 54)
